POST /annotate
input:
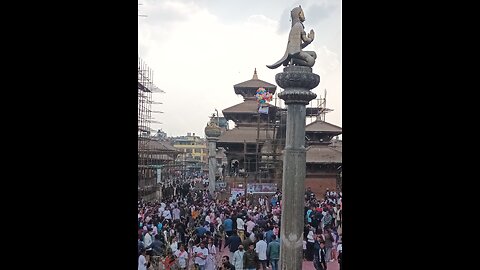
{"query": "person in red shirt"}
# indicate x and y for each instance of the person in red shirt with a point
(169, 261)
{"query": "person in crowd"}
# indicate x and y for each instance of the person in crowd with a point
(212, 252)
(182, 257)
(200, 255)
(250, 258)
(261, 249)
(233, 242)
(273, 252)
(238, 258)
(226, 265)
(190, 216)
(142, 260)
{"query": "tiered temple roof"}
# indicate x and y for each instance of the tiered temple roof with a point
(323, 154)
(323, 127)
(247, 134)
(249, 88)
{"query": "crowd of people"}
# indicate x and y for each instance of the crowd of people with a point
(323, 229)
(192, 229)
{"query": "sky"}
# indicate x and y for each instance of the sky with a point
(199, 49)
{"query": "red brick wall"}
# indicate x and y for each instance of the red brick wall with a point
(320, 185)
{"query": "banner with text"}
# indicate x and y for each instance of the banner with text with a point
(262, 188)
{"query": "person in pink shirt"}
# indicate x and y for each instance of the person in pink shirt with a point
(250, 225)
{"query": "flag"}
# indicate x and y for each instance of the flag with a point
(263, 110)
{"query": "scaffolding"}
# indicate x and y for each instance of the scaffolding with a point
(146, 179)
(319, 111)
(270, 163)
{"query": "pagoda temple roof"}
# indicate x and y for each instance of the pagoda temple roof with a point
(241, 134)
(322, 154)
(248, 106)
(322, 126)
(254, 84)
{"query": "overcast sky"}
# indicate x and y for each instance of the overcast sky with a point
(198, 49)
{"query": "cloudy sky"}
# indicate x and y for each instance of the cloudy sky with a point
(198, 49)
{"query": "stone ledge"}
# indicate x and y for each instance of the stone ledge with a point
(297, 96)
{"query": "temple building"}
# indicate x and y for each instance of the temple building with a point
(243, 143)
(324, 156)
(253, 148)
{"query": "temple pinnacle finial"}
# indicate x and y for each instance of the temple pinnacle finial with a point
(255, 76)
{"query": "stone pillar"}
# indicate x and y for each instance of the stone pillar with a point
(212, 132)
(212, 163)
(297, 82)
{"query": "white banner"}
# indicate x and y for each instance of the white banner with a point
(262, 188)
(236, 191)
(263, 110)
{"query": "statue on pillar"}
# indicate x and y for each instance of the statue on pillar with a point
(297, 40)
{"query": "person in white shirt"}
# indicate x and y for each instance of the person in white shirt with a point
(261, 201)
(241, 228)
(182, 256)
(148, 218)
(310, 244)
(238, 257)
(142, 261)
(334, 215)
(166, 214)
(261, 249)
(252, 237)
(207, 218)
(322, 220)
(200, 254)
(211, 260)
(165, 235)
(162, 206)
(205, 182)
(147, 239)
(339, 256)
(338, 222)
(174, 245)
(176, 213)
(275, 218)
